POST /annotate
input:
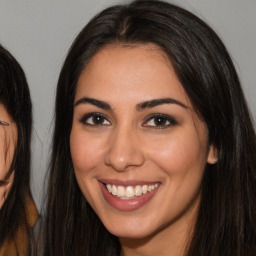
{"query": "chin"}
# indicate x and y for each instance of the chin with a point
(130, 230)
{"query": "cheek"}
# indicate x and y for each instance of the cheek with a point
(179, 154)
(5, 189)
(86, 151)
(86, 155)
(7, 148)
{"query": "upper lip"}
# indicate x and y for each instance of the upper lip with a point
(127, 182)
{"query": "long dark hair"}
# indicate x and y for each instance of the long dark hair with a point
(227, 213)
(15, 97)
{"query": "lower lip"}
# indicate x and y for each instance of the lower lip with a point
(127, 204)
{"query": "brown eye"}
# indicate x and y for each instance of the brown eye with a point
(159, 121)
(94, 119)
(97, 120)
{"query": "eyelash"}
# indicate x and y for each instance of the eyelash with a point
(166, 118)
(85, 120)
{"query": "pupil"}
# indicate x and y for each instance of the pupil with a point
(160, 121)
(98, 120)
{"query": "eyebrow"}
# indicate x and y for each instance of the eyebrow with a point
(97, 103)
(139, 107)
(157, 102)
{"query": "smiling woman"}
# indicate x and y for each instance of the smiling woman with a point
(153, 147)
(144, 155)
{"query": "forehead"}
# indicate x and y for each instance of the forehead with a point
(140, 72)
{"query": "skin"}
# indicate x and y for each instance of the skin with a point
(8, 142)
(129, 145)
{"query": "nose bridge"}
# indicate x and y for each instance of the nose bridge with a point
(124, 150)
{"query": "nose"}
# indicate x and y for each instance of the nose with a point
(124, 150)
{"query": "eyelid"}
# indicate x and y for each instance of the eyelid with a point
(85, 117)
(4, 123)
(169, 118)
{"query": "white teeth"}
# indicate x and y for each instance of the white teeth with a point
(151, 187)
(120, 191)
(144, 189)
(109, 188)
(130, 191)
(138, 190)
(114, 190)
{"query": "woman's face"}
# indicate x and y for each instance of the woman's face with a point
(138, 148)
(8, 141)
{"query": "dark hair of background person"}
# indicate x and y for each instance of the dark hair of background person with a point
(226, 219)
(15, 96)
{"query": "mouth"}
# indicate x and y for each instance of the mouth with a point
(130, 196)
(130, 192)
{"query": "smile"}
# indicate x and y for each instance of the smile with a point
(130, 192)
(128, 197)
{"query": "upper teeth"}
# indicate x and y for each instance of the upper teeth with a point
(130, 191)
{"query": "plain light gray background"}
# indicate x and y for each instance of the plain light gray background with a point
(39, 33)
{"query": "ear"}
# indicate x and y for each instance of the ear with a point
(212, 157)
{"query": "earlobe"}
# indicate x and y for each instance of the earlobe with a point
(212, 157)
